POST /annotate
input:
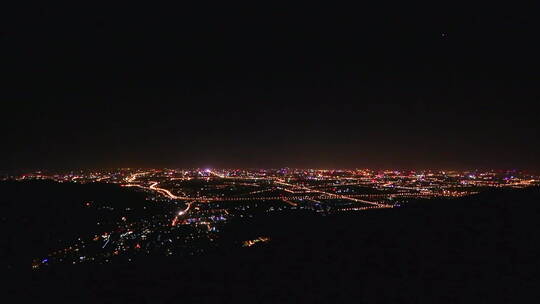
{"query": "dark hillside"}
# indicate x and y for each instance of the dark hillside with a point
(475, 249)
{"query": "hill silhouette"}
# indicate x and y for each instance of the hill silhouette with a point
(477, 248)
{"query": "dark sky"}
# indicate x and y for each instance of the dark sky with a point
(396, 86)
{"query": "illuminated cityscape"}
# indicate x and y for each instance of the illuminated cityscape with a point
(268, 153)
(199, 203)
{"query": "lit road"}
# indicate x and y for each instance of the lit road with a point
(330, 195)
(165, 192)
(181, 213)
(134, 176)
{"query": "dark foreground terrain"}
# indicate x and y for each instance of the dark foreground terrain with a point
(481, 248)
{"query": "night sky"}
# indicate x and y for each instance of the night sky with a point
(310, 86)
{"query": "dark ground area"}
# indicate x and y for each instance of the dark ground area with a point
(481, 248)
(40, 216)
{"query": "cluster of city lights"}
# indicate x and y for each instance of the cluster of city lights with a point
(206, 200)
